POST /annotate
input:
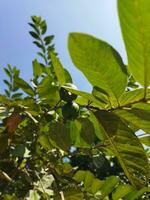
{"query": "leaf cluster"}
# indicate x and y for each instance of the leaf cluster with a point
(98, 149)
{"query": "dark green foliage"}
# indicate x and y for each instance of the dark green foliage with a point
(57, 142)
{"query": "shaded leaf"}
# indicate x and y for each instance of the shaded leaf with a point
(60, 135)
(126, 147)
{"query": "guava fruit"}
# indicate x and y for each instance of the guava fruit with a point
(70, 110)
(65, 95)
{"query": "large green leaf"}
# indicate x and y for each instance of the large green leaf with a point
(135, 19)
(126, 147)
(138, 115)
(99, 62)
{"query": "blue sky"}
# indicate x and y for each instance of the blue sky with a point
(96, 17)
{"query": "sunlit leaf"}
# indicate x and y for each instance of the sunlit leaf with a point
(135, 19)
(99, 62)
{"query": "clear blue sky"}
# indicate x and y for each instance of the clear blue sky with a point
(96, 17)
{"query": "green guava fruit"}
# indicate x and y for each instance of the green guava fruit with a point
(70, 110)
(66, 95)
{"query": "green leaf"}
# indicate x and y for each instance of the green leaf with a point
(45, 142)
(109, 185)
(96, 185)
(33, 195)
(101, 95)
(45, 182)
(34, 27)
(36, 19)
(37, 68)
(136, 194)
(87, 133)
(138, 115)
(126, 147)
(79, 176)
(58, 68)
(84, 131)
(99, 62)
(59, 135)
(130, 97)
(43, 26)
(48, 92)
(19, 150)
(8, 73)
(91, 184)
(9, 197)
(68, 76)
(4, 100)
(39, 45)
(89, 177)
(24, 86)
(16, 96)
(121, 191)
(8, 84)
(145, 140)
(135, 19)
(99, 131)
(34, 35)
(72, 193)
(48, 39)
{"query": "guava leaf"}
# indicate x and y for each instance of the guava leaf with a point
(126, 147)
(99, 62)
(135, 19)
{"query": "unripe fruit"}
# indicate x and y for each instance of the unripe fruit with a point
(70, 110)
(66, 95)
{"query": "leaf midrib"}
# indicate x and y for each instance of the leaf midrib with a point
(121, 160)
